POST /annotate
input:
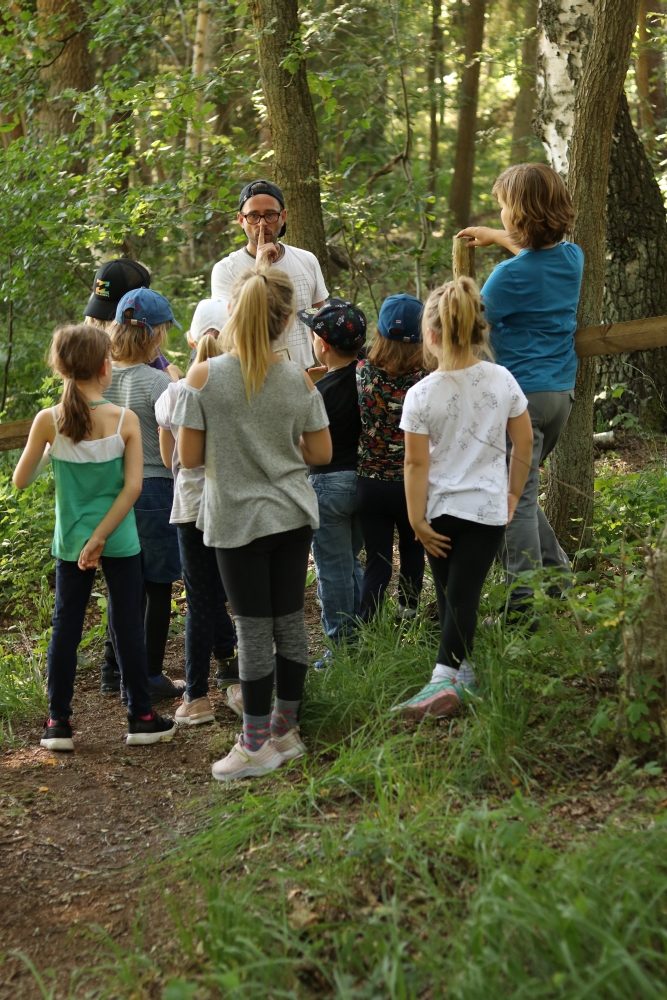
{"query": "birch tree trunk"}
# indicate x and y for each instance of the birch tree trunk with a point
(525, 100)
(292, 121)
(569, 505)
(563, 31)
(460, 195)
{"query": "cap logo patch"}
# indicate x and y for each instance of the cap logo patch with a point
(102, 288)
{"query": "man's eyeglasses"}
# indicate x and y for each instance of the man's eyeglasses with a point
(254, 217)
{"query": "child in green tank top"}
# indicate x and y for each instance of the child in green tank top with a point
(97, 459)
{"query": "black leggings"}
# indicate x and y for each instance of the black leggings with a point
(459, 579)
(381, 506)
(265, 583)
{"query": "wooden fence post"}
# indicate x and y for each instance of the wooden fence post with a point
(463, 258)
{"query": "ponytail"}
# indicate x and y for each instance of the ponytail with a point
(454, 312)
(77, 354)
(261, 305)
(207, 347)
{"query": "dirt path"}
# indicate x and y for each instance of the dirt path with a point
(79, 832)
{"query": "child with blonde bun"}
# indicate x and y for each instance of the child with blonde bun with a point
(456, 479)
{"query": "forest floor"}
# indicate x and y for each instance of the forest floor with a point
(80, 833)
(86, 838)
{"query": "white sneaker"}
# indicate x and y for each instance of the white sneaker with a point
(290, 745)
(243, 763)
(234, 699)
(193, 713)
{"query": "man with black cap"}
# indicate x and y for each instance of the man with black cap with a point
(262, 217)
(113, 280)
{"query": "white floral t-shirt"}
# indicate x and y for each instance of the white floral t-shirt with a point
(465, 415)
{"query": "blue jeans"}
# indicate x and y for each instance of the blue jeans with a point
(208, 625)
(160, 558)
(336, 547)
(73, 588)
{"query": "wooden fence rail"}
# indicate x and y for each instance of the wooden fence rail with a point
(589, 342)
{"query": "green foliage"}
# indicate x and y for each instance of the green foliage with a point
(27, 519)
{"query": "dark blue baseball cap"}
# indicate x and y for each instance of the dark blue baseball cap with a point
(400, 319)
(149, 308)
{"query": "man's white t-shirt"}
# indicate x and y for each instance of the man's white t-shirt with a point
(465, 415)
(303, 268)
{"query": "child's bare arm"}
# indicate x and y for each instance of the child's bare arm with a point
(167, 443)
(34, 456)
(417, 464)
(520, 431)
(120, 508)
(484, 236)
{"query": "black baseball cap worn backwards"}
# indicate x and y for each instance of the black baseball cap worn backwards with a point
(112, 281)
(263, 187)
(338, 322)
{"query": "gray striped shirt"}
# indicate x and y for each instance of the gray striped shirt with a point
(139, 387)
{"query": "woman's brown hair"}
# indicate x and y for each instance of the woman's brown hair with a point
(78, 352)
(261, 304)
(454, 313)
(394, 357)
(538, 202)
(136, 344)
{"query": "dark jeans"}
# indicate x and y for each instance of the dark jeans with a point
(155, 604)
(73, 588)
(208, 625)
(459, 579)
(381, 506)
(265, 582)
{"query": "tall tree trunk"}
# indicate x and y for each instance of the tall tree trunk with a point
(434, 58)
(293, 125)
(460, 195)
(191, 133)
(650, 69)
(569, 505)
(564, 29)
(65, 39)
(525, 99)
(635, 273)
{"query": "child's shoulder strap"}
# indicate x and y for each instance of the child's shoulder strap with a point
(120, 420)
(55, 419)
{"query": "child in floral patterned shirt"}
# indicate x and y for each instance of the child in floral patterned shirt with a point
(394, 364)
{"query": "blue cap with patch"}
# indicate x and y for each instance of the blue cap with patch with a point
(400, 319)
(148, 309)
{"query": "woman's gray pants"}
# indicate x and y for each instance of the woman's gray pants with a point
(530, 542)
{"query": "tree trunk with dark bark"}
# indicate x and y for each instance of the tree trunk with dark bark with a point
(65, 39)
(650, 69)
(635, 272)
(434, 59)
(293, 125)
(569, 505)
(524, 111)
(460, 195)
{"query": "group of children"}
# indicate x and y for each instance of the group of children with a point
(229, 477)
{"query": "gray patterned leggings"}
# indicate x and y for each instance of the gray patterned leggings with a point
(265, 583)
